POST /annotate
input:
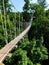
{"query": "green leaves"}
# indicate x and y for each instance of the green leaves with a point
(26, 6)
(19, 58)
(7, 6)
(41, 2)
(26, 15)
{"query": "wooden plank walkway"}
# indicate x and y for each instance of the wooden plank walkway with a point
(5, 50)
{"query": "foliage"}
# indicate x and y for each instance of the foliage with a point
(47, 13)
(40, 23)
(36, 51)
(6, 5)
(39, 28)
(42, 2)
(19, 57)
(10, 25)
(31, 53)
(31, 50)
(26, 6)
(26, 14)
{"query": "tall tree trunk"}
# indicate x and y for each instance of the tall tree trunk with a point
(19, 23)
(9, 27)
(5, 29)
(15, 24)
(14, 21)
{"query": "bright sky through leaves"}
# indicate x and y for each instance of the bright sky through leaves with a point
(20, 3)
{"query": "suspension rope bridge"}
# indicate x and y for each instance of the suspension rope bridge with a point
(8, 47)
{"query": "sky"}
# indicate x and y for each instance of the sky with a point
(18, 4)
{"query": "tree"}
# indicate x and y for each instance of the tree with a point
(42, 2)
(26, 15)
(19, 57)
(46, 34)
(40, 25)
(28, 53)
(47, 13)
(7, 6)
(36, 51)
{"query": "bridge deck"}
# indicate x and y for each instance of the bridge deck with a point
(5, 50)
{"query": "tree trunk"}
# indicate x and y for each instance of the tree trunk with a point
(5, 28)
